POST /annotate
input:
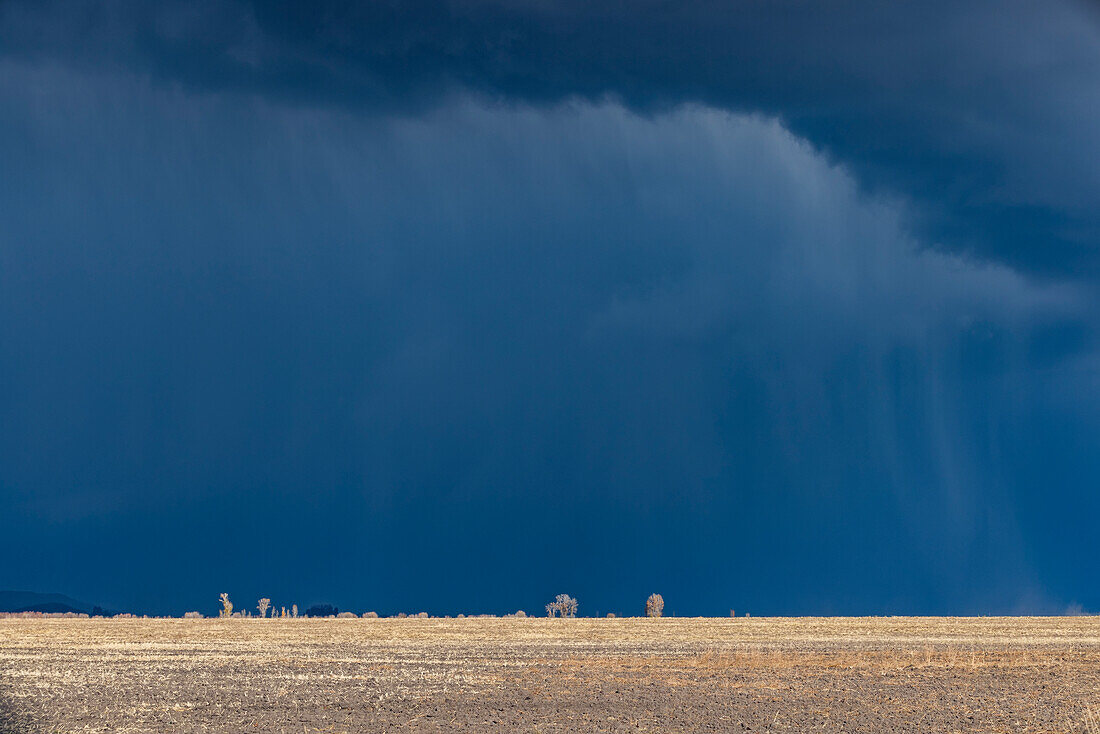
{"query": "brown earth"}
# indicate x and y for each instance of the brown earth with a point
(337, 675)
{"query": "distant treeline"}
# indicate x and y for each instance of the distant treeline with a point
(563, 606)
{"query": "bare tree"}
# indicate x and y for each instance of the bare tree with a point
(294, 610)
(654, 605)
(227, 606)
(263, 605)
(564, 605)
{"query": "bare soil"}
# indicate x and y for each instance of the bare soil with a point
(619, 675)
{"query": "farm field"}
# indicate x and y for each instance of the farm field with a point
(537, 674)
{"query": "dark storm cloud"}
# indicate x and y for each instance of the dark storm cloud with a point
(392, 359)
(451, 306)
(981, 111)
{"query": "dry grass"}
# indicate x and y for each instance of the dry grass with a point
(871, 674)
(1092, 723)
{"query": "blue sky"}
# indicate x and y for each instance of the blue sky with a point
(785, 307)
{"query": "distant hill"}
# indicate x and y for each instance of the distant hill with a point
(30, 601)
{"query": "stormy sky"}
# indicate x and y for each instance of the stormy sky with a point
(785, 306)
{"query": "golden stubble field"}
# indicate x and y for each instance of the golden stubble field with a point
(348, 675)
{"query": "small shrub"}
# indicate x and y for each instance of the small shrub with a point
(521, 614)
(227, 606)
(422, 615)
(322, 610)
(347, 615)
(654, 605)
(192, 615)
(461, 616)
(611, 615)
(370, 615)
(402, 615)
